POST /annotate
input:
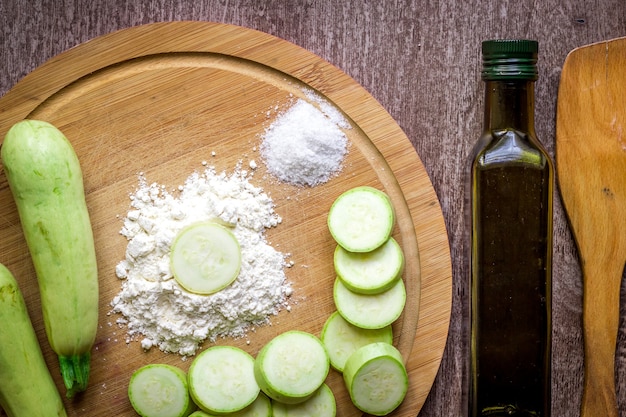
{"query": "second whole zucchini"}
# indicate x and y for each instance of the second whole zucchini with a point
(26, 386)
(46, 181)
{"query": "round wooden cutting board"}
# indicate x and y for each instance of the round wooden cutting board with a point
(162, 98)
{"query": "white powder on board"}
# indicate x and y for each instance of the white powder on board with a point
(154, 307)
(305, 145)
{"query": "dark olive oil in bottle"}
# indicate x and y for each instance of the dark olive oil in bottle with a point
(511, 186)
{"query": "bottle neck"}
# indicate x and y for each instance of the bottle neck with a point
(510, 105)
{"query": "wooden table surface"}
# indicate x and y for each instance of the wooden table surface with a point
(421, 61)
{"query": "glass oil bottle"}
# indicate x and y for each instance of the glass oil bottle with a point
(511, 186)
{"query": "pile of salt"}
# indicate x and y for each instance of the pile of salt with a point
(305, 146)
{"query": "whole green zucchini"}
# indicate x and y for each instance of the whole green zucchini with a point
(26, 387)
(46, 181)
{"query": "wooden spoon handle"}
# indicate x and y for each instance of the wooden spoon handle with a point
(601, 300)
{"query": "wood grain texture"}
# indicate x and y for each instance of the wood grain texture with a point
(420, 59)
(159, 99)
(591, 162)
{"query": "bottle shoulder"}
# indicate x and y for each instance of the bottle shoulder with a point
(510, 147)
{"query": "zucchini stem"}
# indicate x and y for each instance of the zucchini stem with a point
(75, 372)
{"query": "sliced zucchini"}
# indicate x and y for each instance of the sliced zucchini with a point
(261, 407)
(342, 338)
(291, 367)
(221, 380)
(370, 311)
(376, 378)
(200, 413)
(160, 390)
(321, 404)
(370, 272)
(205, 257)
(361, 219)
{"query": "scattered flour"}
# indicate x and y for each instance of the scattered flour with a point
(305, 145)
(161, 313)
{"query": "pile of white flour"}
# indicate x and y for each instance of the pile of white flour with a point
(304, 146)
(161, 313)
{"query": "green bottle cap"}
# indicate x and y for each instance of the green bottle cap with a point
(510, 59)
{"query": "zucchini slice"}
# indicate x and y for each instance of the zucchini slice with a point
(160, 390)
(341, 338)
(205, 257)
(361, 219)
(370, 311)
(376, 378)
(321, 404)
(370, 272)
(292, 366)
(221, 380)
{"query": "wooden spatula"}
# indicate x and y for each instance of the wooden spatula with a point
(591, 172)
